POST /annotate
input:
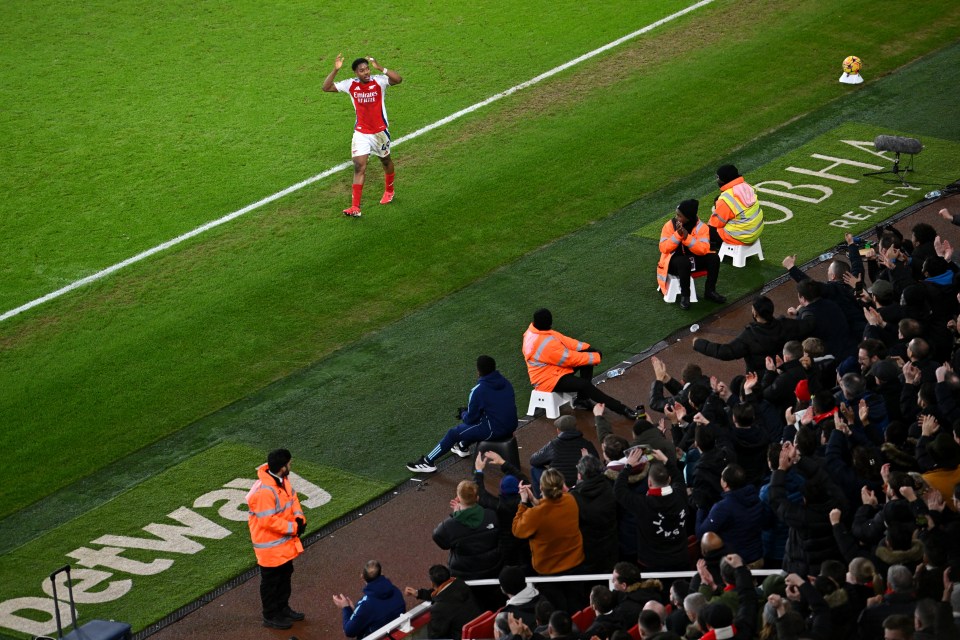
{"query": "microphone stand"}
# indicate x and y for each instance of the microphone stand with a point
(895, 170)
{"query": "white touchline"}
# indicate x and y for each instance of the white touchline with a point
(344, 165)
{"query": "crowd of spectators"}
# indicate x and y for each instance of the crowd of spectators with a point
(834, 458)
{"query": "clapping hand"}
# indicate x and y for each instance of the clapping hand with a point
(660, 370)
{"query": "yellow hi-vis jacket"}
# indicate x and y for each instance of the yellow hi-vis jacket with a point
(698, 242)
(550, 355)
(737, 215)
(274, 509)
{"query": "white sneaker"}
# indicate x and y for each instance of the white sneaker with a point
(461, 450)
(421, 466)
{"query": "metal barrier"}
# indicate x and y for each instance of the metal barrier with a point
(403, 625)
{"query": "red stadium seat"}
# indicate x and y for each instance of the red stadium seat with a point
(693, 550)
(635, 632)
(585, 618)
(480, 627)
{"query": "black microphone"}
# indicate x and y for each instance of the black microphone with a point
(898, 144)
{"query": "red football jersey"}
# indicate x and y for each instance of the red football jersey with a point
(368, 102)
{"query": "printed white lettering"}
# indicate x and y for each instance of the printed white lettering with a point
(172, 538)
(10, 619)
(316, 496)
(826, 191)
(84, 580)
(765, 205)
(886, 204)
(825, 172)
(854, 216)
(867, 147)
(843, 224)
(109, 557)
(235, 508)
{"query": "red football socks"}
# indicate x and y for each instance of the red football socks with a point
(388, 179)
(357, 192)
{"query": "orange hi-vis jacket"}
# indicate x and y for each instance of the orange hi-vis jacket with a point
(551, 355)
(274, 509)
(698, 242)
(737, 215)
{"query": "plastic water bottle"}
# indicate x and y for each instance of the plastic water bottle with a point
(826, 256)
(694, 328)
(936, 193)
(616, 373)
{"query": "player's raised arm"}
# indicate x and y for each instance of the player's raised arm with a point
(391, 74)
(328, 82)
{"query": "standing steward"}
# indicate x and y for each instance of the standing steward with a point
(276, 523)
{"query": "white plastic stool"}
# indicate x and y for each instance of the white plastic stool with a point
(549, 402)
(673, 287)
(740, 252)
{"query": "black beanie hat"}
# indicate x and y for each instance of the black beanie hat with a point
(717, 615)
(543, 319)
(727, 173)
(689, 208)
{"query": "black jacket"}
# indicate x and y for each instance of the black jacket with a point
(598, 523)
(563, 453)
(452, 608)
(661, 525)
(474, 551)
(757, 341)
(830, 325)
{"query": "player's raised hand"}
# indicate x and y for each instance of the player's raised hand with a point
(338, 62)
(373, 63)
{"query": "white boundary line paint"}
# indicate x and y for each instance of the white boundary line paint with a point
(99, 275)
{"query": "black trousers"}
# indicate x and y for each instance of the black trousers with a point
(680, 267)
(275, 589)
(580, 382)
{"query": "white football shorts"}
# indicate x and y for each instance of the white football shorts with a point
(365, 144)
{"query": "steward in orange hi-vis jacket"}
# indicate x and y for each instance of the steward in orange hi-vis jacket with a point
(685, 247)
(560, 364)
(276, 523)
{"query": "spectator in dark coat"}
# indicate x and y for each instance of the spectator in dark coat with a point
(779, 381)
(750, 442)
(824, 319)
(605, 621)
(811, 539)
(763, 337)
(598, 515)
(706, 479)
(381, 603)
(884, 377)
(665, 389)
(522, 598)
(852, 390)
(453, 603)
(662, 514)
(561, 453)
(776, 531)
(899, 600)
(632, 593)
(738, 517)
(835, 289)
(505, 503)
(471, 534)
